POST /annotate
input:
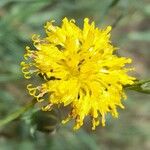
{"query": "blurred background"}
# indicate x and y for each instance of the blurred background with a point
(19, 19)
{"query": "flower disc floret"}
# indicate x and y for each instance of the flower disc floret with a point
(79, 70)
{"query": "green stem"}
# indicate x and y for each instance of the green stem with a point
(139, 86)
(17, 114)
(137, 83)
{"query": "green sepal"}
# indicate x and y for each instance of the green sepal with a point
(45, 121)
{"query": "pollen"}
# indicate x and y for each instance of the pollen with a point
(79, 70)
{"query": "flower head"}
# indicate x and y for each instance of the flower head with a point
(80, 70)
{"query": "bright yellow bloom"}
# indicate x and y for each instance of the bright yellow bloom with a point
(79, 70)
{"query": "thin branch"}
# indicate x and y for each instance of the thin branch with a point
(17, 114)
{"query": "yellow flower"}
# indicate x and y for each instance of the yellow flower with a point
(79, 70)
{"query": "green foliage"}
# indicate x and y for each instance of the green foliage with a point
(140, 86)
